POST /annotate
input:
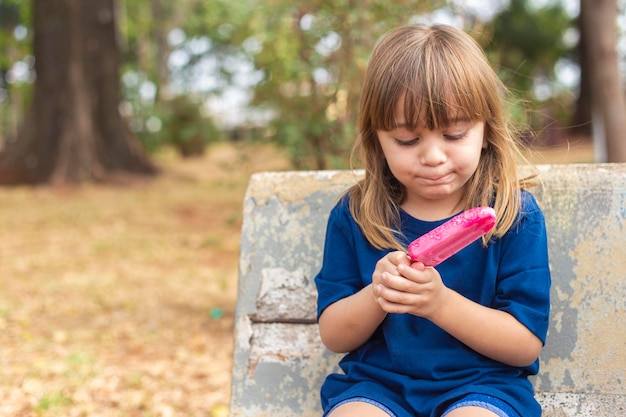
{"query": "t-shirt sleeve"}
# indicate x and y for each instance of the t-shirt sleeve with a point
(339, 276)
(523, 287)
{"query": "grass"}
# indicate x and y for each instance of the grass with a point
(119, 301)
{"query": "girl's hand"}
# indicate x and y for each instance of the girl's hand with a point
(413, 289)
(400, 287)
(388, 265)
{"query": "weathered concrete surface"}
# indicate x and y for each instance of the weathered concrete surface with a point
(279, 361)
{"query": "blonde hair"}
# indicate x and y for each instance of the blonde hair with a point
(442, 74)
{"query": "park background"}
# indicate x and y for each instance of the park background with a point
(129, 131)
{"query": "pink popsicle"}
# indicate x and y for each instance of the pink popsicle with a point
(439, 244)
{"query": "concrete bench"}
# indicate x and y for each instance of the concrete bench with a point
(280, 362)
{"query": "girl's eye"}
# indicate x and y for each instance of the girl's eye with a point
(409, 142)
(455, 136)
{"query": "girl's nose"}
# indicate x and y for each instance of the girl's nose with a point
(432, 154)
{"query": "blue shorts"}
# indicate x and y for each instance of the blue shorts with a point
(487, 402)
(363, 400)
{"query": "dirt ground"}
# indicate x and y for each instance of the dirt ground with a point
(119, 300)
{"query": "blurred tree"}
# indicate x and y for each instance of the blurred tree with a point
(313, 56)
(598, 19)
(14, 54)
(525, 43)
(185, 127)
(145, 26)
(73, 132)
(303, 66)
(581, 115)
(167, 49)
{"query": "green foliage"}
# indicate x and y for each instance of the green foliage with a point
(313, 57)
(186, 128)
(535, 35)
(179, 122)
(13, 14)
(15, 44)
(309, 59)
(9, 14)
(171, 115)
(527, 43)
(51, 400)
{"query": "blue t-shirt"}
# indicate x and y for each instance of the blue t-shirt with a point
(411, 365)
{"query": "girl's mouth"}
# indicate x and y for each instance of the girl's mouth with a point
(436, 179)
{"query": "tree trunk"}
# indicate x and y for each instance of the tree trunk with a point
(581, 117)
(73, 131)
(599, 18)
(161, 50)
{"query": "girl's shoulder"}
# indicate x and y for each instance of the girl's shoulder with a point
(342, 202)
(529, 214)
(528, 203)
(341, 208)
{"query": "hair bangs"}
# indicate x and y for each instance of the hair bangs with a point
(444, 91)
(381, 110)
(441, 83)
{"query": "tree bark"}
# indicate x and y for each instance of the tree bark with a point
(73, 131)
(581, 117)
(599, 18)
(161, 50)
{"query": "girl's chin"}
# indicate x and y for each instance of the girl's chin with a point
(438, 193)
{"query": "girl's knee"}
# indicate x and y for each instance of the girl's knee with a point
(471, 411)
(358, 409)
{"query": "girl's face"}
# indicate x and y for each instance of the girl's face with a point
(433, 165)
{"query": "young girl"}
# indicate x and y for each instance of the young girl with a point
(460, 339)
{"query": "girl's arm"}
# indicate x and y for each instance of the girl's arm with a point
(348, 323)
(493, 333)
